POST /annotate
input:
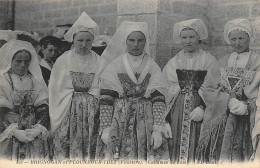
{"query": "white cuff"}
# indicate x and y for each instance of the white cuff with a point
(158, 128)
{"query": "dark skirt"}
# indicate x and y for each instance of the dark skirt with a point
(185, 133)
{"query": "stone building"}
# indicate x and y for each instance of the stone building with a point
(41, 16)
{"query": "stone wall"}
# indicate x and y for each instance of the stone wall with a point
(169, 13)
(143, 11)
(6, 15)
(221, 11)
(42, 16)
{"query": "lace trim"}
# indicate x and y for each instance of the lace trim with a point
(243, 77)
(44, 132)
(80, 63)
(9, 132)
(242, 28)
(159, 109)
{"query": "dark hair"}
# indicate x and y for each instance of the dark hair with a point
(50, 40)
(22, 51)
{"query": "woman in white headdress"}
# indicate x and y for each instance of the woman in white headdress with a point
(24, 115)
(132, 103)
(229, 93)
(73, 102)
(184, 75)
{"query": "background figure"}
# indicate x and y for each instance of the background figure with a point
(100, 43)
(60, 31)
(24, 116)
(49, 53)
(184, 75)
(230, 93)
(132, 102)
(73, 102)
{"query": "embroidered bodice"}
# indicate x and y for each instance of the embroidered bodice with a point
(130, 88)
(190, 79)
(234, 80)
(81, 81)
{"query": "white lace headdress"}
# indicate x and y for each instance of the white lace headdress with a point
(195, 24)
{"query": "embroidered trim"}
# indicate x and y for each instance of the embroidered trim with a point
(185, 130)
(130, 88)
(190, 80)
(106, 114)
(81, 81)
(9, 132)
(243, 77)
(159, 109)
(44, 132)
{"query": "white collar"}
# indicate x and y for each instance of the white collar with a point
(131, 73)
(45, 64)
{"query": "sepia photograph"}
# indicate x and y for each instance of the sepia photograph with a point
(129, 83)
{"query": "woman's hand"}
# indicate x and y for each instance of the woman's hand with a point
(239, 108)
(22, 136)
(32, 133)
(232, 102)
(105, 135)
(156, 138)
(197, 114)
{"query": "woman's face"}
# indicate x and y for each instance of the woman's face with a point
(189, 40)
(135, 43)
(21, 62)
(83, 42)
(239, 41)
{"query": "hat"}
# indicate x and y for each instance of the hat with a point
(242, 25)
(84, 23)
(196, 24)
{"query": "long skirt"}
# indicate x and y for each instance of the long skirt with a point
(185, 133)
(226, 139)
(131, 131)
(76, 137)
